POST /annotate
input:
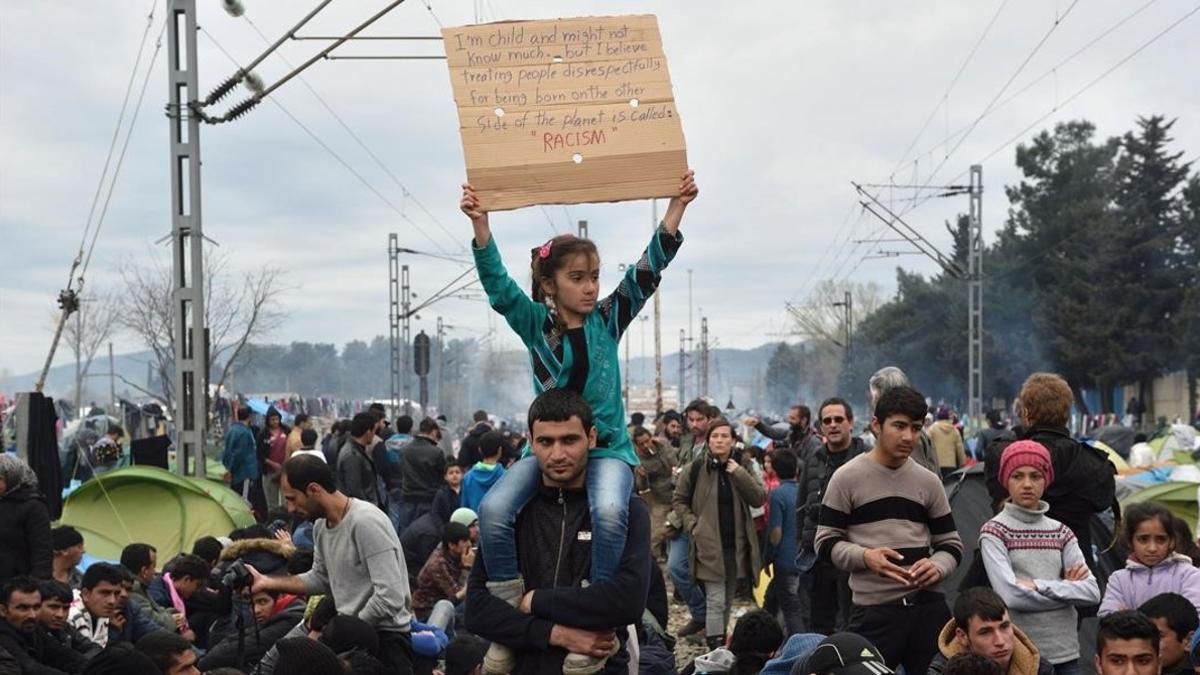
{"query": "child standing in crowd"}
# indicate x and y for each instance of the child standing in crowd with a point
(1034, 562)
(1153, 566)
(572, 337)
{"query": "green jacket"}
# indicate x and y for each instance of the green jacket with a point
(551, 352)
(150, 609)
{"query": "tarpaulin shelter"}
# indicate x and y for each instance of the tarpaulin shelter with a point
(153, 506)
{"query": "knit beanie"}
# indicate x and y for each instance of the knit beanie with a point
(1026, 453)
(464, 516)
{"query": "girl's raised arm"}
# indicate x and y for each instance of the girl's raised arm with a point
(687, 193)
(479, 218)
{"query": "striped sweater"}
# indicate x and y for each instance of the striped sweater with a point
(867, 505)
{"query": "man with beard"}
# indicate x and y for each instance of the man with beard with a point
(356, 558)
(798, 436)
(35, 650)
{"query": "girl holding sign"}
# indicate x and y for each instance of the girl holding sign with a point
(571, 334)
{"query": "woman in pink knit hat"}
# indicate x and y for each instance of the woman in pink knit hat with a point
(1034, 562)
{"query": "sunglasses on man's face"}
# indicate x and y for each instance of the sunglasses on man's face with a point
(832, 420)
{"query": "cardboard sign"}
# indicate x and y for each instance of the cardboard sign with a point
(566, 111)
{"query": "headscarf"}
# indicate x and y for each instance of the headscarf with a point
(17, 473)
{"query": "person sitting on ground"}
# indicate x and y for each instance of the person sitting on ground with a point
(357, 558)
(425, 534)
(275, 614)
(31, 645)
(141, 561)
(443, 575)
(844, 654)
(120, 659)
(485, 473)
(464, 655)
(981, 625)
(1127, 644)
(1034, 561)
(68, 547)
(98, 602)
(129, 624)
(56, 605)
(558, 616)
(184, 589)
(171, 654)
(302, 656)
(1153, 566)
(1176, 619)
(756, 637)
(969, 663)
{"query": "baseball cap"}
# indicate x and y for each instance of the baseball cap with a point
(844, 654)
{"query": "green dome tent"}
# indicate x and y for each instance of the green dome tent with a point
(1178, 497)
(150, 505)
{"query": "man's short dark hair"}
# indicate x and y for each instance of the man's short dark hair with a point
(208, 548)
(640, 431)
(377, 409)
(64, 537)
(480, 416)
(362, 663)
(1179, 613)
(115, 430)
(491, 444)
(404, 424)
(785, 463)
(308, 437)
(300, 562)
(836, 400)
(163, 647)
(756, 637)
(322, 614)
(901, 401)
(697, 405)
(190, 566)
(99, 572)
(804, 411)
(560, 405)
(136, 557)
(243, 413)
(344, 633)
(361, 424)
(427, 426)
(464, 654)
(637, 419)
(979, 602)
(304, 469)
(1126, 625)
(299, 419)
(53, 589)
(970, 663)
(22, 584)
(454, 533)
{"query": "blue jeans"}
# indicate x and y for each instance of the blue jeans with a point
(1068, 668)
(679, 568)
(791, 603)
(394, 504)
(609, 486)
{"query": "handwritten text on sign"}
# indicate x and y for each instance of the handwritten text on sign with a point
(566, 111)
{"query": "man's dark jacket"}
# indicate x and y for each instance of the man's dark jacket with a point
(423, 465)
(224, 654)
(38, 653)
(1084, 482)
(554, 554)
(813, 477)
(468, 452)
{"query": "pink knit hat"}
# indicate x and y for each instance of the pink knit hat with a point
(1026, 453)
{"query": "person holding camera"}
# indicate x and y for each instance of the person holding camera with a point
(713, 498)
(356, 558)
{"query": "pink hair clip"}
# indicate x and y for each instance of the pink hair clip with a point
(544, 251)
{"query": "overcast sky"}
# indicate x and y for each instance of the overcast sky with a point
(783, 104)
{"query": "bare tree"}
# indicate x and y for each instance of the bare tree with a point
(238, 309)
(92, 325)
(822, 316)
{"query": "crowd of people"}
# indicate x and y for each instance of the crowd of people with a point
(378, 549)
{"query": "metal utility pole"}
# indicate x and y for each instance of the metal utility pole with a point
(682, 368)
(658, 382)
(847, 305)
(972, 275)
(704, 356)
(975, 296)
(583, 229)
(394, 315)
(441, 360)
(405, 337)
(112, 384)
(187, 259)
